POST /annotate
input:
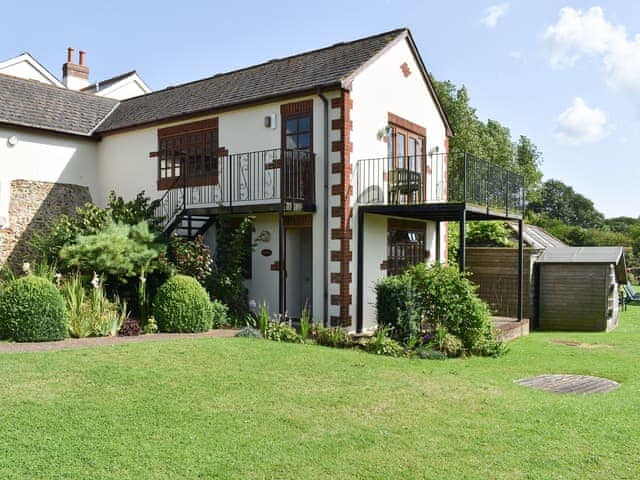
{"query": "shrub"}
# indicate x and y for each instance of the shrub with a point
(452, 346)
(220, 314)
(281, 332)
(381, 344)
(448, 298)
(191, 257)
(130, 328)
(334, 337)
(249, 332)
(32, 310)
(182, 305)
(397, 310)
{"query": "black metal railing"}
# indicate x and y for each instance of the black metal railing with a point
(279, 177)
(439, 178)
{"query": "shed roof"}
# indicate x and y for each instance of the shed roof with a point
(588, 255)
(582, 255)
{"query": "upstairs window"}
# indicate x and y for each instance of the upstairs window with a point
(191, 150)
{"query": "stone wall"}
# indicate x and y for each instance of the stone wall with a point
(33, 206)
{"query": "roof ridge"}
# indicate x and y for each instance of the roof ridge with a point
(274, 60)
(110, 79)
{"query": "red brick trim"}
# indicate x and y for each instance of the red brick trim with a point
(209, 124)
(406, 71)
(295, 108)
(384, 265)
(153, 154)
(400, 224)
(300, 221)
(275, 266)
(407, 124)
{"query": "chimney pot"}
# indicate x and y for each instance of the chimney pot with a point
(82, 54)
(70, 52)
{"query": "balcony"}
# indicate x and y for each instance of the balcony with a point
(441, 178)
(266, 180)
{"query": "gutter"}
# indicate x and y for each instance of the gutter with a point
(325, 205)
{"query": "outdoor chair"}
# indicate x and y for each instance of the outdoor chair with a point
(631, 295)
(403, 181)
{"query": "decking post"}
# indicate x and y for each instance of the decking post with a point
(520, 269)
(462, 254)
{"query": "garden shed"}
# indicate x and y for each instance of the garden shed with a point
(577, 288)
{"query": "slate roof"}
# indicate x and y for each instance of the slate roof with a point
(33, 104)
(326, 67)
(107, 82)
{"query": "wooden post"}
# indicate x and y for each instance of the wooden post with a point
(520, 269)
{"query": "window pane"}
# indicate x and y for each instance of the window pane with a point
(400, 140)
(304, 124)
(291, 142)
(292, 126)
(304, 141)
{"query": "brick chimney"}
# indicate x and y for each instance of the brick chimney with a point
(75, 75)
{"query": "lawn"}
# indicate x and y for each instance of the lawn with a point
(240, 408)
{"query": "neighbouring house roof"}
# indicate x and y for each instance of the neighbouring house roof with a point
(604, 255)
(537, 237)
(39, 72)
(307, 72)
(29, 103)
(106, 84)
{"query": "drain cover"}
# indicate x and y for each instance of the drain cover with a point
(569, 383)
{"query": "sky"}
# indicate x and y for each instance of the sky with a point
(565, 74)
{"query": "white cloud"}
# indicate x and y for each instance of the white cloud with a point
(516, 55)
(588, 33)
(493, 14)
(581, 124)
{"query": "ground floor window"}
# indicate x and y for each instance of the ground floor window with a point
(405, 245)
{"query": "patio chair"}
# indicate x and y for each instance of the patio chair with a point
(631, 295)
(403, 181)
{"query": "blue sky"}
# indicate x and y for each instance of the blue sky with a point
(566, 74)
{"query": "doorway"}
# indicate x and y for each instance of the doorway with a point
(299, 270)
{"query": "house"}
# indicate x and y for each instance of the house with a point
(340, 154)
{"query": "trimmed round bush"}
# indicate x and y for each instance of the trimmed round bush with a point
(32, 310)
(182, 305)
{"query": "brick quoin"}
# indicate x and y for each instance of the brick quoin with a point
(342, 190)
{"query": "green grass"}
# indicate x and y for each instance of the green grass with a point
(241, 408)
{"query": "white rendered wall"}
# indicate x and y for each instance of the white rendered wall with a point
(44, 157)
(122, 90)
(125, 166)
(24, 69)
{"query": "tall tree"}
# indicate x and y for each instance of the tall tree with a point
(558, 201)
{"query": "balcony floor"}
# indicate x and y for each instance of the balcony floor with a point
(441, 211)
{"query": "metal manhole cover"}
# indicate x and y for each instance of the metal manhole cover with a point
(569, 383)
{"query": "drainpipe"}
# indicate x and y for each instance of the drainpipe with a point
(325, 204)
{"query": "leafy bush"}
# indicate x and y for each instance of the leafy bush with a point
(191, 257)
(249, 332)
(452, 346)
(448, 298)
(130, 328)
(281, 332)
(305, 322)
(32, 310)
(220, 314)
(334, 337)
(397, 310)
(488, 233)
(426, 299)
(182, 305)
(381, 344)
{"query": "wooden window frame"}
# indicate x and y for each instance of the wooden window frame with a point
(193, 136)
(420, 255)
(292, 111)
